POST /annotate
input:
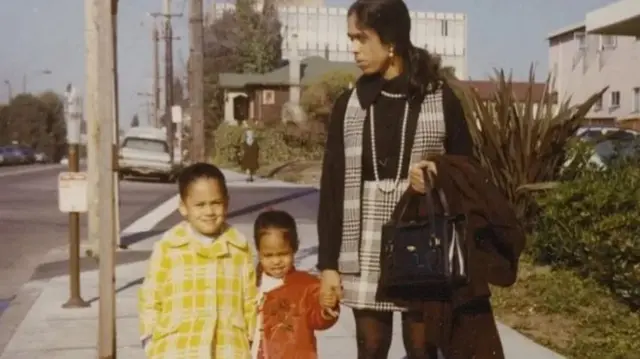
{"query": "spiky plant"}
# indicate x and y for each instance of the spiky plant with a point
(521, 141)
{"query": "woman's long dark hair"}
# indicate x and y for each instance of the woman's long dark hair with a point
(391, 21)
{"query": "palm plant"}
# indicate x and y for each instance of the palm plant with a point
(521, 141)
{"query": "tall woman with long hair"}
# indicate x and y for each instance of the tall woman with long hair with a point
(399, 111)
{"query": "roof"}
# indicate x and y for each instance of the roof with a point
(146, 132)
(580, 26)
(486, 89)
(311, 69)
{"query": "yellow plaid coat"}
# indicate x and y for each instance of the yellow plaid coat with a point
(198, 300)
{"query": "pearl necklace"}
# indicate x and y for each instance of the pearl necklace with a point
(392, 95)
(388, 189)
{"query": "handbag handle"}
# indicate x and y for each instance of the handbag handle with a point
(427, 197)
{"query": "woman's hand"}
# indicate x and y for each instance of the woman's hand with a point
(330, 289)
(416, 175)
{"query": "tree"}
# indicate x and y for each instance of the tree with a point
(318, 98)
(37, 122)
(135, 121)
(241, 41)
(521, 142)
(54, 140)
(4, 126)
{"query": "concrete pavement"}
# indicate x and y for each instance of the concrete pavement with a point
(51, 332)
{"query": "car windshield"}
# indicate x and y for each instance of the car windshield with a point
(145, 144)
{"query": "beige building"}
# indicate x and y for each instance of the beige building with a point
(321, 31)
(603, 50)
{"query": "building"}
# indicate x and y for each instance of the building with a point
(603, 50)
(261, 97)
(322, 31)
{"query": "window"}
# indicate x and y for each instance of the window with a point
(615, 99)
(268, 97)
(598, 105)
(144, 144)
(581, 40)
(636, 99)
(444, 27)
(608, 41)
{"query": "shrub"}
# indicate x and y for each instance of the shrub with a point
(591, 225)
(520, 141)
(279, 143)
(318, 98)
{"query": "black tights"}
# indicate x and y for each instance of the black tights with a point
(374, 332)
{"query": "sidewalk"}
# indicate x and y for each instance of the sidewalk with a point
(50, 332)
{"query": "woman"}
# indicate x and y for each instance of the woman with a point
(250, 155)
(399, 111)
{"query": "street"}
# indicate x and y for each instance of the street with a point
(31, 224)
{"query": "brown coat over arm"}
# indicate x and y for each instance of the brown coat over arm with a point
(462, 324)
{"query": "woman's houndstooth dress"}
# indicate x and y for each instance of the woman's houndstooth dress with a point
(367, 208)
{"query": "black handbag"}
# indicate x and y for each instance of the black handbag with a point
(422, 256)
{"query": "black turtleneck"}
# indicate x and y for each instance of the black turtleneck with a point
(388, 127)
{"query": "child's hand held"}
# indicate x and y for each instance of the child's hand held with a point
(329, 313)
(329, 300)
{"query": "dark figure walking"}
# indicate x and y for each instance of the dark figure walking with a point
(250, 154)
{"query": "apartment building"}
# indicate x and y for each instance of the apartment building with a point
(321, 31)
(603, 50)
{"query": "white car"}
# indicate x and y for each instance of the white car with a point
(608, 142)
(144, 152)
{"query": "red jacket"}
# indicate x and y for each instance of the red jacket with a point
(291, 313)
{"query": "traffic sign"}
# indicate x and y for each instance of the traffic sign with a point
(73, 191)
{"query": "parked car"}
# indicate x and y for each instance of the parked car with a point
(11, 156)
(42, 157)
(611, 143)
(144, 152)
(597, 132)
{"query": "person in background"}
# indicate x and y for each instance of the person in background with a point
(250, 154)
(291, 308)
(198, 298)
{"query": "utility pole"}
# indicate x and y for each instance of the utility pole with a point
(168, 73)
(101, 111)
(148, 103)
(156, 75)
(196, 81)
(168, 76)
(116, 127)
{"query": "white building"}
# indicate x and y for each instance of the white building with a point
(322, 31)
(603, 50)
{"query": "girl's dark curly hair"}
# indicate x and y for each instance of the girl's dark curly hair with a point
(391, 21)
(279, 220)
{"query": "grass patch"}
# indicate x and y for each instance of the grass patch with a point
(573, 316)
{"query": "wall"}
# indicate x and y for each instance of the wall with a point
(583, 67)
(323, 30)
(270, 113)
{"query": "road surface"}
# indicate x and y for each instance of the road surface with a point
(31, 224)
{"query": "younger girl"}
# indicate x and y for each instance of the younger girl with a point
(290, 309)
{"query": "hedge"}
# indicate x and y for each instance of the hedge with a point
(592, 225)
(278, 144)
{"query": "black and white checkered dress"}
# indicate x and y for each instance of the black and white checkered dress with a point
(367, 208)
